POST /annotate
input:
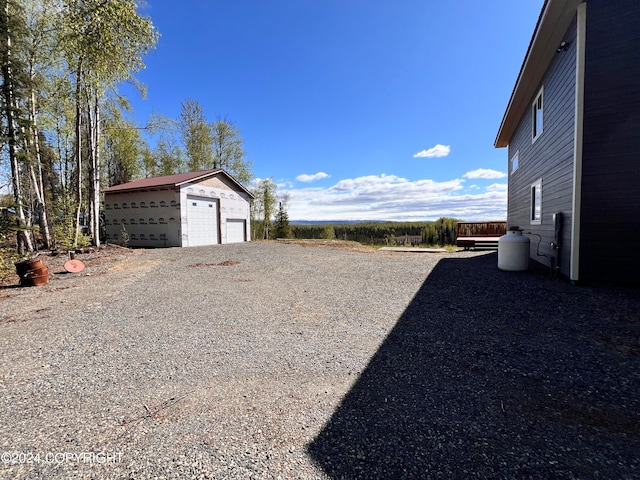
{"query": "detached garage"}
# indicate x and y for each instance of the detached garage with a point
(183, 210)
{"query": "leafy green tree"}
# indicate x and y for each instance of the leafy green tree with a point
(328, 232)
(124, 148)
(196, 137)
(103, 43)
(13, 32)
(167, 158)
(263, 208)
(228, 152)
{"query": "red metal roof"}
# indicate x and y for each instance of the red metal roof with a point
(172, 181)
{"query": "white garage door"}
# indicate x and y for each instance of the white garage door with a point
(202, 218)
(235, 230)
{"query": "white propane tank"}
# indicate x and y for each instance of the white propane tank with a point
(513, 251)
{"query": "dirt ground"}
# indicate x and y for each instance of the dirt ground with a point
(109, 257)
(97, 261)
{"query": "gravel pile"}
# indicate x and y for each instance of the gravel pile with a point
(270, 360)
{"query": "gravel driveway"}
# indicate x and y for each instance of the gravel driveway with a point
(270, 360)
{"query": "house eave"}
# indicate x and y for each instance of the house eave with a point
(555, 18)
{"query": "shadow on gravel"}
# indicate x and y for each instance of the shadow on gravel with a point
(490, 374)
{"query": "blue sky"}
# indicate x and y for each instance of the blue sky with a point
(358, 109)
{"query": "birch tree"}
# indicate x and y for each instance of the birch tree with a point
(12, 26)
(104, 42)
(167, 157)
(196, 137)
(39, 53)
(228, 151)
(124, 148)
(263, 208)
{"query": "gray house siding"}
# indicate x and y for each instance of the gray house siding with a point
(610, 220)
(549, 158)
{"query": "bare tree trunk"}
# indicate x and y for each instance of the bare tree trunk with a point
(78, 149)
(36, 176)
(94, 168)
(24, 240)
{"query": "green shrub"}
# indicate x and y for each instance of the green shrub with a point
(328, 232)
(8, 257)
(123, 239)
(65, 233)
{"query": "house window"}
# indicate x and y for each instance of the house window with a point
(537, 114)
(536, 202)
(515, 160)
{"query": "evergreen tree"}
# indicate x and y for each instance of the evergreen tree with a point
(281, 227)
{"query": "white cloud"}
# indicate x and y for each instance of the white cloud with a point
(437, 151)
(497, 187)
(284, 184)
(312, 178)
(390, 197)
(484, 173)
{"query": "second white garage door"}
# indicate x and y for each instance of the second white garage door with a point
(236, 230)
(202, 218)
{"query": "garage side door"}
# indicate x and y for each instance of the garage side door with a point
(236, 230)
(202, 221)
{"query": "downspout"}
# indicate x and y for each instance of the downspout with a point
(574, 272)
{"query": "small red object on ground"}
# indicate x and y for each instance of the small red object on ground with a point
(74, 266)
